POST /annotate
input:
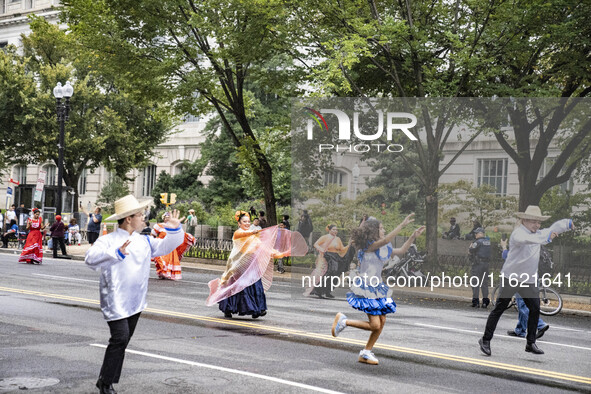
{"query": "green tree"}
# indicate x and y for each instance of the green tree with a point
(430, 48)
(482, 203)
(185, 185)
(563, 204)
(17, 109)
(114, 189)
(105, 127)
(200, 57)
(225, 185)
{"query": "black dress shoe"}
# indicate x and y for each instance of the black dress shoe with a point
(329, 295)
(512, 333)
(228, 314)
(104, 388)
(484, 346)
(542, 330)
(263, 313)
(533, 348)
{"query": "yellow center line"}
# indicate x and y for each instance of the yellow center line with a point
(399, 349)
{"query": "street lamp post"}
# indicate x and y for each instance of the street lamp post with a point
(62, 110)
(355, 172)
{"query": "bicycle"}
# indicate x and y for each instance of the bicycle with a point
(408, 266)
(550, 300)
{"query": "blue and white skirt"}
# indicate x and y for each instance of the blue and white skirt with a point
(371, 300)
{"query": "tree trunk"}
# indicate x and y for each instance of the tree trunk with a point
(431, 213)
(266, 180)
(528, 192)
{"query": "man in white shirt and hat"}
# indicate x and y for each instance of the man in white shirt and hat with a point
(520, 273)
(123, 260)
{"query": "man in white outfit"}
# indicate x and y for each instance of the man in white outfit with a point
(520, 273)
(123, 260)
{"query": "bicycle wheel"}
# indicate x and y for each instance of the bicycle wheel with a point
(495, 294)
(550, 302)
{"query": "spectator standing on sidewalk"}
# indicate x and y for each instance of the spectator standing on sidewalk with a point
(22, 215)
(94, 224)
(263, 220)
(10, 215)
(191, 222)
(519, 273)
(305, 226)
(58, 230)
(480, 257)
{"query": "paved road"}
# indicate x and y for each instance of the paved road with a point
(51, 327)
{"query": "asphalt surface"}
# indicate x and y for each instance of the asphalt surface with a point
(51, 328)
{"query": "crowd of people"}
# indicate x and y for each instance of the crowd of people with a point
(240, 290)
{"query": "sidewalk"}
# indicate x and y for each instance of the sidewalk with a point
(573, 304)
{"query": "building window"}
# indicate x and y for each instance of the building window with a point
(493, 172)
(51, 175)
(20, 174)
(148, 180)
(334, 178)
(82, 183)
(179, 168)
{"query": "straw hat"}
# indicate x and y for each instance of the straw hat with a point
(532, 212)
(127, 206)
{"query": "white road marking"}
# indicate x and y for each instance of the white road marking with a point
(569, 329)
(229, 370)
(501, 336)
(67, 278)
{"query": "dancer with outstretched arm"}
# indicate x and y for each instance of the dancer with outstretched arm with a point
(368, 293)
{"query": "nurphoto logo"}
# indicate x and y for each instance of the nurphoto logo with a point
(395, 122)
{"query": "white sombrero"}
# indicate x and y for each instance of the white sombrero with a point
(128, 206)
(532, 212)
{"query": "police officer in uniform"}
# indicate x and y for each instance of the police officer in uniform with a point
(480, 256)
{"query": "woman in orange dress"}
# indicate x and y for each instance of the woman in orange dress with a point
(333, 258)
(169, 266)
(249, 270)
(33, 249)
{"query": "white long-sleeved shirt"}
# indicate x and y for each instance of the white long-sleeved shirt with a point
(524, 251)
(124, 278)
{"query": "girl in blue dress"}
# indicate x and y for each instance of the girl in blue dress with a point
(368, 293)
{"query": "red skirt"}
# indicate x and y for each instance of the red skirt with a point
(33, 249)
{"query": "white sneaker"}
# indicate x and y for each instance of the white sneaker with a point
(367, 357)
(339, 324)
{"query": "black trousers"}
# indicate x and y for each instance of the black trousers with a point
(530, 295)
(92, 237)
(480, 270)
(62, 245)
(121, 332)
